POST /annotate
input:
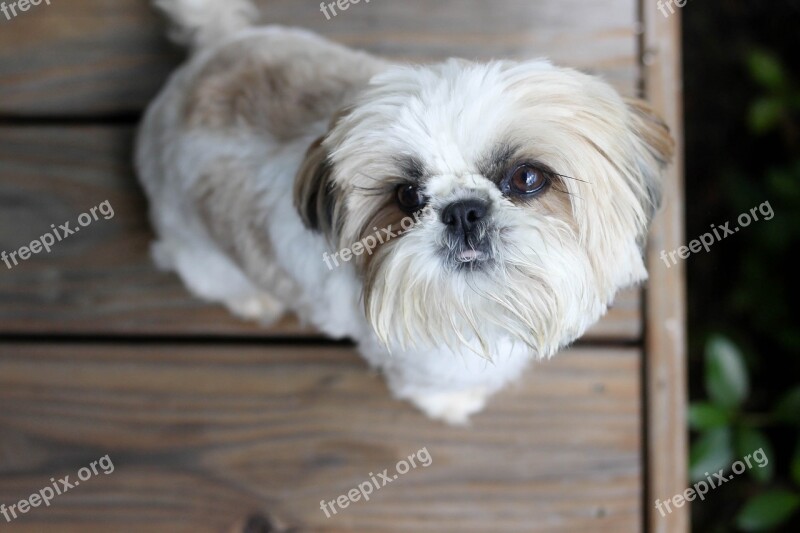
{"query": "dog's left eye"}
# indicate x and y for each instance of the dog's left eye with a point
(410, 198)
(527, 180)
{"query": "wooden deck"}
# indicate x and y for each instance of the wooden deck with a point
(218, 425)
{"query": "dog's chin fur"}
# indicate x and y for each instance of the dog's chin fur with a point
(272, 147)
(538, 290)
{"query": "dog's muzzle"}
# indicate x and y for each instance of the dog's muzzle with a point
(466, 231)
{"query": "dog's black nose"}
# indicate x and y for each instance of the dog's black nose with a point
(462, 217)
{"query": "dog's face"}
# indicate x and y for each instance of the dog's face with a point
(519, 195)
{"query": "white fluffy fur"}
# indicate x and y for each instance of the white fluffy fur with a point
(220, 185)
(203, 23)
(569, 293)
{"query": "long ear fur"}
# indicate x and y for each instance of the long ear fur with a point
(658, 148)
(316, 198)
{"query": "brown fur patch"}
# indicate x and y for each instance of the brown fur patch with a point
(658, 141)
(226, 200)
(261, 97)
(652, 130)
(386, 216)
(230, 209)
(214, 197)
(369, 265)
(556, 202)
(318, 201)
(274, 88)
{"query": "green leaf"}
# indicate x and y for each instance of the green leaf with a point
(704, 415)
(750, 441)
(788, 408)
(768, 510)
(727, 383)
(765, 114)
(766, 69)
(711, 452)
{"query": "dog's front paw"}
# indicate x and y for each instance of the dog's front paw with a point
(260, 307)
(455, 408)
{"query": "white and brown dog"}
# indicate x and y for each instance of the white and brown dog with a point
(273, 147)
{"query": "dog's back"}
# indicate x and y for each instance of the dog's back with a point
(219, 147)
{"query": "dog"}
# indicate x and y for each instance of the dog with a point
(524, 191)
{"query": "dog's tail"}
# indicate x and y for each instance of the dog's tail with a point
(201, 23)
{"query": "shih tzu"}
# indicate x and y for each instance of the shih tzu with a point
(281, 166)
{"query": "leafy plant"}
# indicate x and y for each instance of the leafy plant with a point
(742, 96)
(727, 433)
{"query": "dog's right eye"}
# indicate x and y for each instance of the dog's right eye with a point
(410, 198)
(527, 180)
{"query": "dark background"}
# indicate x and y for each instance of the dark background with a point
(742, 101)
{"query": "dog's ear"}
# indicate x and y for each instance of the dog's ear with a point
(316, 197)
(656, 148)
(318, 200)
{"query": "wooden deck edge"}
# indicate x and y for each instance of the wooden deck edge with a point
(665, 368)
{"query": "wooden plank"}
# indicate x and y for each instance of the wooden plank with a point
(102, 281)
(95, 57)
(666, 367)
(204, 437)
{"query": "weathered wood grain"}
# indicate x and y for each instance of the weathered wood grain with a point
(209, 438)
(95, 57)
(666, 367)
(101, 281)
(202, 438)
